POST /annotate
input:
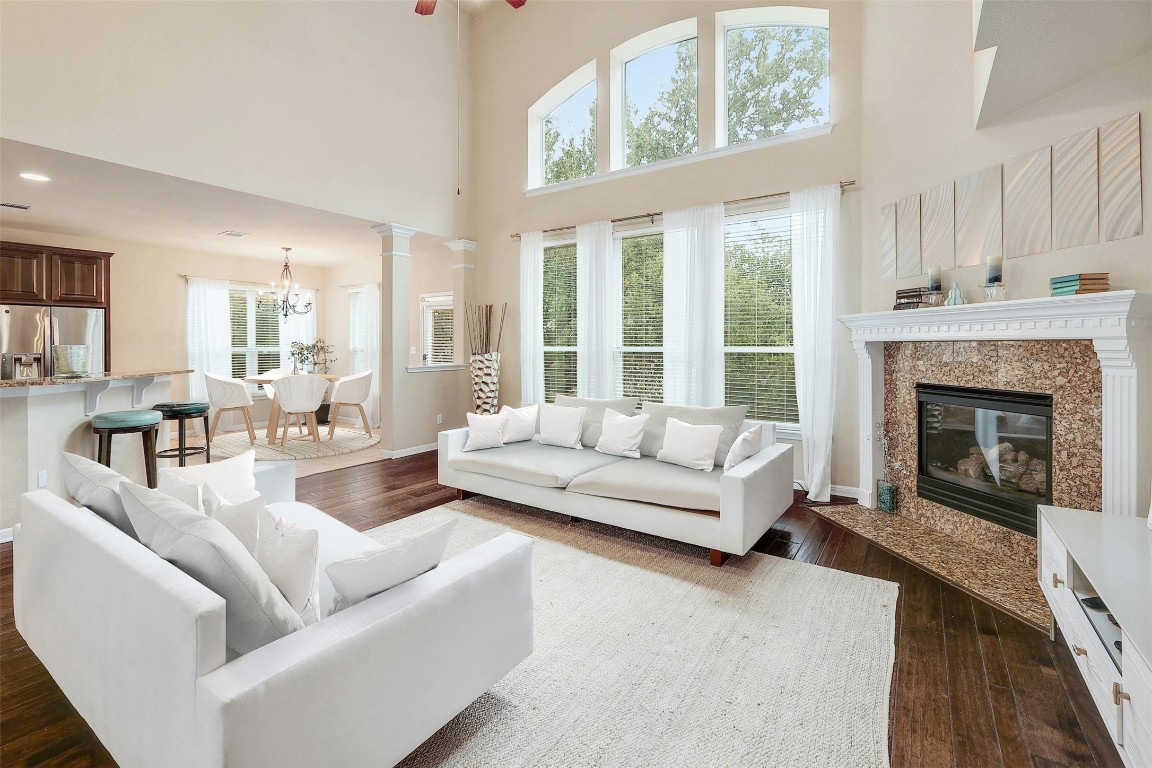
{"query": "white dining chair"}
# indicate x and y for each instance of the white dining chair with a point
(275, 373)
(225, 394)
(300, 396)
(350, 390)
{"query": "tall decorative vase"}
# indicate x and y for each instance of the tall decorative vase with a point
(485, 382)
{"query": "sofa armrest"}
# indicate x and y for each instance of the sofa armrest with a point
(754, 494)
(276, 480)
(369, 684)
(450, 443)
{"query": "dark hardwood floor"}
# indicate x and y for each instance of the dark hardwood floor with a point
(971, 685)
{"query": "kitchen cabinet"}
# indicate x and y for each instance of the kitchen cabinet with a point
(39, 274)
(23, 274)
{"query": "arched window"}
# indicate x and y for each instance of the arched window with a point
(772, 72)
(562, 130)
(654, 96)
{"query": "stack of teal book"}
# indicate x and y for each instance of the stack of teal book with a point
(1085, 282)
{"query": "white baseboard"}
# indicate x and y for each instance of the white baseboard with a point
(847, 490)
(5, 535)
(402, 452)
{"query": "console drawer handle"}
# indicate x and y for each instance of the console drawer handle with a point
(1079, 651)
(1056, 580)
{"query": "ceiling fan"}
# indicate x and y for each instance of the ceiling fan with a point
(426, 7)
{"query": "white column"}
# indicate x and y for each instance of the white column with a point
(395, 264)
(463, 271)
(1127, 413)
(870, 386)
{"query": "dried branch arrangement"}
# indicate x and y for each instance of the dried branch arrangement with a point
(478, 318)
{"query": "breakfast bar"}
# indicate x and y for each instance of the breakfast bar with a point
(41, 417)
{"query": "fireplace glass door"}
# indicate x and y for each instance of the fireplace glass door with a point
(986, 452)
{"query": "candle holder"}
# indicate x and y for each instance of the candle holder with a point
(933, 298)
(993, 291)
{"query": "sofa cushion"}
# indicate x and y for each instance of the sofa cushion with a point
(532, 463)
(337, 542)
(97, 487)
(654, 482)
(730, 417)
(232, 479)
(594, 413)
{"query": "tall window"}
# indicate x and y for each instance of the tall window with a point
(759, 364)
(570, 137)
(559, 321)
(436, 335)
(255, 334)
(776, 77)
(641, 358)
(660, 96)
(357, 338)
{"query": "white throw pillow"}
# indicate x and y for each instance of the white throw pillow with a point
(370, 573)
(561, 426)
(485, 431)
(233, 479)
(242, 519)
(745, 447)
(594, 408)
(690, 445)
(97, 487)
(255, 611)
(290, 555)
(622, 434)
(182, 490)
(519, 423)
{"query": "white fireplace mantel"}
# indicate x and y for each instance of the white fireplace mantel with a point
(1119, 324)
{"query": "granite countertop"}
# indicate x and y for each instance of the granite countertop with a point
(109, 376)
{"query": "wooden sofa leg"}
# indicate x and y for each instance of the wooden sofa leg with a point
(717, 558)
(462, 494)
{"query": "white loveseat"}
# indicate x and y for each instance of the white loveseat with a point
(138, 647)
(726, 512)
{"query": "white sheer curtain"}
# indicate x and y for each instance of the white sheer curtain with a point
(694, 305)
(297, 328)
(815, 235)
(532, 317)
(597, 310)
(208, 332)
(364, 340)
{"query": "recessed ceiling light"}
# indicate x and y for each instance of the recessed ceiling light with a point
(34, 176)
(232, 233)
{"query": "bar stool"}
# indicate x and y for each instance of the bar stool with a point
(181, 412)
(147, 423)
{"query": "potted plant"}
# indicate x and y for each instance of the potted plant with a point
(314, 358)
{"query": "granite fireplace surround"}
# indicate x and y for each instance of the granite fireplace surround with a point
(1069, 370)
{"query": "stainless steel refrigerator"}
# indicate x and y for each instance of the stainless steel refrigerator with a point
(27, 335)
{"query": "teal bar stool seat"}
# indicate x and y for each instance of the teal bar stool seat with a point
(181, 412)
(146, 422)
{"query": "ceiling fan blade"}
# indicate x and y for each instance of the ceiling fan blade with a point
(516, 3)
(425, 7)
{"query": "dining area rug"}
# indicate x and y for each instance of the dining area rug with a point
(344, 440)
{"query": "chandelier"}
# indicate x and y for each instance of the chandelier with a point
(284, 297)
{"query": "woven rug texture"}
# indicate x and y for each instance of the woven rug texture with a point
(345, 440)
(645, 655)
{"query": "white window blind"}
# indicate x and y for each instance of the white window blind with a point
(436, 329)
(759, 365)
(559, 321)
(640, 362)
(255, 334)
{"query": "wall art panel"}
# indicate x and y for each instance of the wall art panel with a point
(908, 237)
(1121, 212)
(888, 242)
(979, 217)
(1075, 191)
(938, 226)
(1028, 203)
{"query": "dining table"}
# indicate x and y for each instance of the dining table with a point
(274, 414)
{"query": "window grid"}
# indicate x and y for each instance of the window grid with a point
(759, 360)
(559, 320)
(255, 334)
(437, 335)
(640, 358)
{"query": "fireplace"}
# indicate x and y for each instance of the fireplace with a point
(985, 452)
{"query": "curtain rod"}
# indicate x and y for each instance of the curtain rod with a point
(267, 286)
(360, 285)
(843, 186)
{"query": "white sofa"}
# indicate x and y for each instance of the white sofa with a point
(726, 512)
(138, 647)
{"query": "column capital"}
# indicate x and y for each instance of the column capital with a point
(461, 245)
(394, 230)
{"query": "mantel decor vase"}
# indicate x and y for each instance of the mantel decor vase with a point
(485, 382)
(71, 361)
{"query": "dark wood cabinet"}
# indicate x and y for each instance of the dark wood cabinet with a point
(23, 274)
(39, 274)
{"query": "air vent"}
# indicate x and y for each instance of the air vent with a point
(232, 233)
(17, 206)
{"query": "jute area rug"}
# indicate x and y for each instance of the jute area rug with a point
(645, 655)
(345, 440)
